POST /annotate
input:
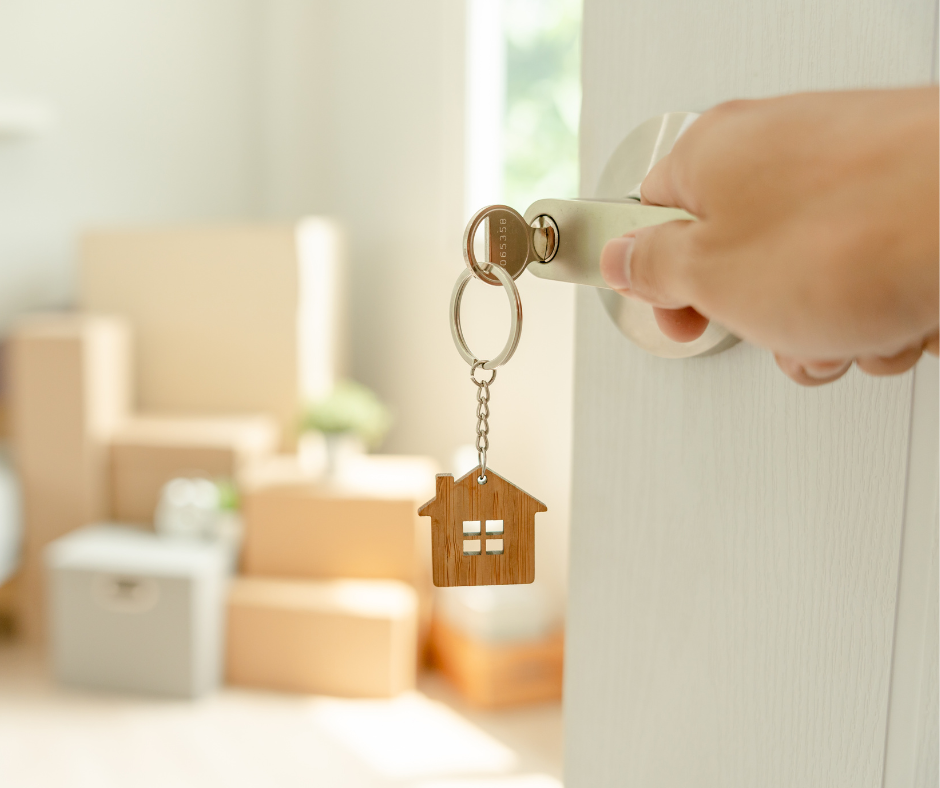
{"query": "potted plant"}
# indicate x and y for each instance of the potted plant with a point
(351, 419)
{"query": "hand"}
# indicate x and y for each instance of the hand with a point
(817, 235)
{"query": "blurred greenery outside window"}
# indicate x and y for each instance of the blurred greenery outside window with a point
(543, 99)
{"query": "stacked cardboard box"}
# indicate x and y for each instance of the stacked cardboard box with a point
(225, 321)
(337, 637)
(69, 391)
(238, 319)
(148, 451)
(341, 564)
(81, 457)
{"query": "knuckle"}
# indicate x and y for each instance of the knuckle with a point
(693, 254)
(734, 106)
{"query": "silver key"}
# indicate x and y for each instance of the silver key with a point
(508, 242)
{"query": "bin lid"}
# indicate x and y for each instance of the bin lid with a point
(121, 548)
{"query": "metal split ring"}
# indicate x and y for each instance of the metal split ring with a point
(473, 374)
(515, 313)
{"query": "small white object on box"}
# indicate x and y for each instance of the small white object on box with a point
(191, 508)
(135, 611)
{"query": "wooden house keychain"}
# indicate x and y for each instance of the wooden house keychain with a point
(483, 526)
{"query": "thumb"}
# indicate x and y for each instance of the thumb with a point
(650, 264)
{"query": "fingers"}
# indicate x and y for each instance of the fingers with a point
(659, 185)
(932, 344)
(650, 264)
(816, 373)
(810, 373)
(680, 325)
(891, 365)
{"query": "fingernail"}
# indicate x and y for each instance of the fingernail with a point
(615, 262)
(825, 370)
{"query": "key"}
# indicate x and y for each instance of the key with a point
(508, 242)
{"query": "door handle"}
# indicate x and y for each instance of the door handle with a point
(578, 229)
(565, 237)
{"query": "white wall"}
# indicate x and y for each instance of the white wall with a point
(157, 122)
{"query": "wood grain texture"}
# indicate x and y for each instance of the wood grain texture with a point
(465, 500)
(735, 538)
(912, 736)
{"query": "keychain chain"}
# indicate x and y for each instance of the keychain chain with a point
(483, 413)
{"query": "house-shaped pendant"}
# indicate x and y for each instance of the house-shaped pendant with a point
(481, 534)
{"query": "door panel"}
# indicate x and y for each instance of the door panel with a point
(735, 539)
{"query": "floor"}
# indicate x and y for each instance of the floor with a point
(57, 738)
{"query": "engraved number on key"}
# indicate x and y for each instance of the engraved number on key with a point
(508, 242)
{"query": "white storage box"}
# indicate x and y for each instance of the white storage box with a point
(135, 611)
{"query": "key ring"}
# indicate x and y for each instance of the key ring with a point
(515, 313)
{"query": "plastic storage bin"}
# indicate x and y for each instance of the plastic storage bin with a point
(134, 611)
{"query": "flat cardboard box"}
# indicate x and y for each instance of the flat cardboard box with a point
(491, 675)
(70, 388)
(238, 319)
(353, 638)
(148, 451)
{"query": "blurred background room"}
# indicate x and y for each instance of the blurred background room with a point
(229, 230)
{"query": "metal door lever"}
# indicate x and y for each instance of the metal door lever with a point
(571, 250)
(561, 240)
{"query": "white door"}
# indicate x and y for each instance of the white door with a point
(753, 587)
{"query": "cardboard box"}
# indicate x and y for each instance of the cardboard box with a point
(324, 534)
(342, 637)
(70, 388)
(498, 674)
(133, 611)
(363, 524)
(148, 451)
(240, 319)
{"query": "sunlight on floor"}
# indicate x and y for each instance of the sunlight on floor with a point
(411, 737)
(56, 737)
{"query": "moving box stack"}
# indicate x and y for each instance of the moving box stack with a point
(335, 594)
(232, 331)
(69, 379)
(226, 320)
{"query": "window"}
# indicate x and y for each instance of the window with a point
(471, 546)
